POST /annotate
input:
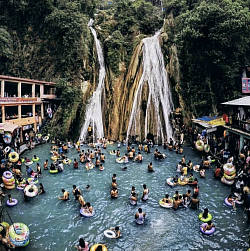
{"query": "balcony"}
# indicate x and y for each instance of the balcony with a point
(242, 125)
(16, 100)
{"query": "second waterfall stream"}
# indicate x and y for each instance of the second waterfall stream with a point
(159, 102)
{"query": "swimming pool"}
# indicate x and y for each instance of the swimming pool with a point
(57, 225)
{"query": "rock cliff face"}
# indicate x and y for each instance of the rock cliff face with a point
(120, 93)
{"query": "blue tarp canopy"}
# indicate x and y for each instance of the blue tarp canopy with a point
(207, 118)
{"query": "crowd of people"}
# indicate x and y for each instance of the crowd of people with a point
(239, 192)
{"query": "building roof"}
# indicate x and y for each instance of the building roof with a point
(8, 127)
(245, 101)
(25, 80)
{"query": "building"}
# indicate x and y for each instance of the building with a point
(24, 104)
(238, 121)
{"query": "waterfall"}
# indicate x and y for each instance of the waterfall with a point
(93, 115)
(159, 102)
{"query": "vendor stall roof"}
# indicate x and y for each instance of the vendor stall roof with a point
(8, 127)
(245, 101)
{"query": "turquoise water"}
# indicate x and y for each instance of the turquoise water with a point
(56, 225)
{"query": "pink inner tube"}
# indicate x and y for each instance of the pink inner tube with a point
(20, 187)
(207, 232)
(227, 203)
(7, 175)
(13, 203)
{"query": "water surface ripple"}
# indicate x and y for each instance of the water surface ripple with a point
(56, 225)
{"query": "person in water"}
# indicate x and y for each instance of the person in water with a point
(76, 192)
(117, 232)
(166, 199)
(83, 245)
(114, 193)
(81, 201)
(89, 208)
(194, 202)
(41, 189)
(150, 167)
(205, 213)
(10, 199)
(65, 195)
(145, 193)
(140, 216)
(133, 199)
(45, 165)
(208, 226)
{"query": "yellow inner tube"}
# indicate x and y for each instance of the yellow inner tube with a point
(23, 232)
(13, 156)
(94, 247)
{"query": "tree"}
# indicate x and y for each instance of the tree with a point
(5, 44)
(213, 41)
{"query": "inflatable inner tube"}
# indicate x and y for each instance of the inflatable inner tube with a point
(31, 190)
(109, 234)
(230, 177)
(53, 171)
(68, 161)
(228, 182)
(119, 160)
(94, 247)
(165, 205)
(182, 183)
(209, 217)
(6, 150)
(112, 153)
(196, 168)
(20, 236)
(35, 159)
(199, 145)
(170, 182)
(13, 203)
(227, 203)
(207, 232)
(32, 182)
(86, 213)
(229, 169)
(13, 156)
(7, 175)
(207, 148)
(29, 163)
(89, 166)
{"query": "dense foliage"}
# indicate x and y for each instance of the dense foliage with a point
(212, 39)
(120, 26)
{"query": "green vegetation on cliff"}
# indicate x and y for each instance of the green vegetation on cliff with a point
(212, 40)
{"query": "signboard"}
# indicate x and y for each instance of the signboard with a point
(245, 85)
(213, 129)
(17, 100)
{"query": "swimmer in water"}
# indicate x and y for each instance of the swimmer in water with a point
(145, 193)
(150, 167)
(140, 216)
(65, 195)
(117, 232)
(208, 226)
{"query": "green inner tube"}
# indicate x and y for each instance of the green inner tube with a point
(209, 217)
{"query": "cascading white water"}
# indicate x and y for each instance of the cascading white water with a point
(159, 94)
(93, 115)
